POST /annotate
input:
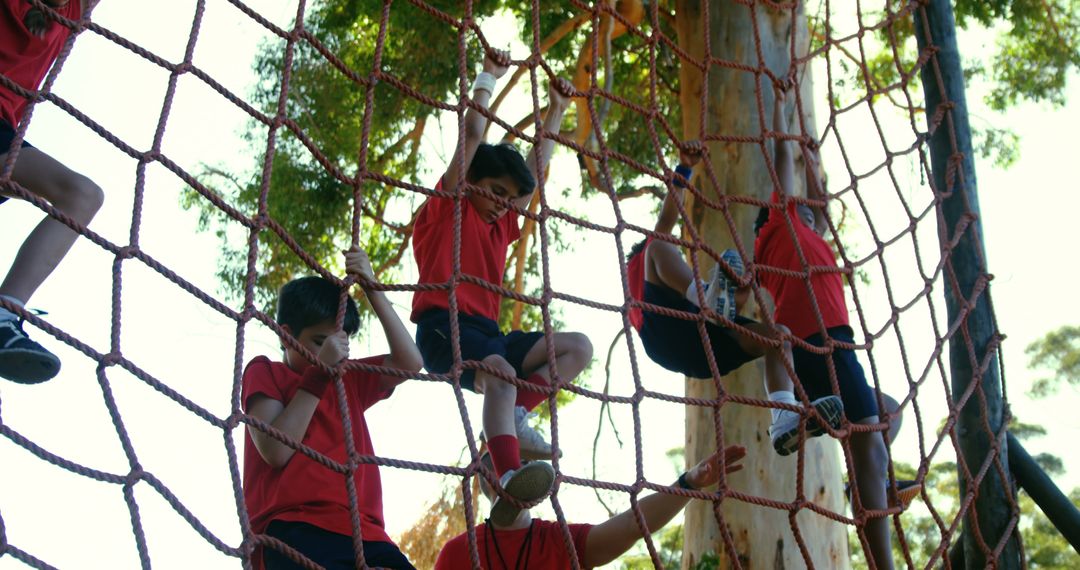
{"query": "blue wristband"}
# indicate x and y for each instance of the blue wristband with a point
(682, 172)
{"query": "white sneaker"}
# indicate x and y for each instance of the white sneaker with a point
(784, 431)
(533, 446)
(720, 290)
(528, 484)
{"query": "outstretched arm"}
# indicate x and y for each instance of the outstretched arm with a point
(293, 419)
(403, 352)
(783, 160)
(815, 189)
(495, 65)
(558, 100)
(610, 540)
(689, 156)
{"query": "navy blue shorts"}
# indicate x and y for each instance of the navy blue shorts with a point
(480, 338)
(330, 550)
(813, 371)
(675, 343)
(7, 134)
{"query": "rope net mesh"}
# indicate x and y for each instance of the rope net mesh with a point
(885, 221)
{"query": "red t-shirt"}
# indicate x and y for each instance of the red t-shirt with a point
(24, 57)
(635, 273)
(774, 248)
(546, 549)
(304, 490)
(483, 255)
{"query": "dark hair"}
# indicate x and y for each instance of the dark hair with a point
(312, 300)
(636, 249)
(762, 217)
(494, 161)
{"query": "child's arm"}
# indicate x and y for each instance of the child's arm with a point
(611, 539)
(403, 352)
(783, 160)
(293, 419)
(495, 65)
(689, 156)
(815, 189)
(558, 100)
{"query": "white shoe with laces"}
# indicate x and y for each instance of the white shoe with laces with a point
(533, 446)
(784, 430)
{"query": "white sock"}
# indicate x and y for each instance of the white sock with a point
(692, 292)
(782, 397)
(6, 315)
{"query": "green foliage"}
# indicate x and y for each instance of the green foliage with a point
(669, 545)
(1035, 54)
(313, 200)
(1059, 352)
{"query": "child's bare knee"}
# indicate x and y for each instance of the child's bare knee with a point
(79, 198)
(580, 345)
(494, 385)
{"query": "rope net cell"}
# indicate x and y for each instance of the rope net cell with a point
(885, 219)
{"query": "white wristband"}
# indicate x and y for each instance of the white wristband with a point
(485, 81)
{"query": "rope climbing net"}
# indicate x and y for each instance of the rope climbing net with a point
(887, 216)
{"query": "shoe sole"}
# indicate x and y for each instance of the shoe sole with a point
(530, 483)
(904, 495)
(831, 409)
(907, 494)
(28, 366)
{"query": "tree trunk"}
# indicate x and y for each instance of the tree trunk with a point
(762, 537)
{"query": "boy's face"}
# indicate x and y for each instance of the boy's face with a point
(311, 338)
(503, 187)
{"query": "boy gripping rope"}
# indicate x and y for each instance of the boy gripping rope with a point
(495, 174)
(780, 239)
(289, 495)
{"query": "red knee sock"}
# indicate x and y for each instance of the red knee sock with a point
(528, 398)
(505, 453)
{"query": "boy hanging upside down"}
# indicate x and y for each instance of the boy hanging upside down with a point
(493, 175)
(659, 275)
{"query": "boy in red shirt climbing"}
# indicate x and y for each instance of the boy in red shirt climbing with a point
(659, 275)
(30, 41)
(538, 544)
(784, 239)
(289, 495)
(493, 176)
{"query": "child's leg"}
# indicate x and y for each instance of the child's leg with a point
(498, 416)
(665, 265)
(69, 192)
(870, 460)
(573, 352)
(785, 427)
(22, 359)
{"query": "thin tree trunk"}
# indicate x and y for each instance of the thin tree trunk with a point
(724, 102)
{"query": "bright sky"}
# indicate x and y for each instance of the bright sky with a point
(70, 521)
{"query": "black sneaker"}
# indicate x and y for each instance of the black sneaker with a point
(23, 360)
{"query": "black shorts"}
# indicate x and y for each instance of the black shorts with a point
(675, 343)
(813, 371)
(330, 550)
(7, 134)
(480, 338)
